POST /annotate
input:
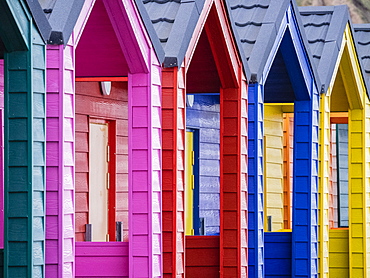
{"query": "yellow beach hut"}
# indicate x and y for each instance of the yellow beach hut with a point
(344, 144)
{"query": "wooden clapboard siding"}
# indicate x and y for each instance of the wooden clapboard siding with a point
(288, 168)
(144, 174)
(205, 116)
(102, 259)
(90, 103)
(2, 155)
(202, 256)
(60, 161)
(173, 117)
(255, 181)
(339, 253)
(278, 253)
(324, 175)
(24, 194)
(273, 130)
(156, 170)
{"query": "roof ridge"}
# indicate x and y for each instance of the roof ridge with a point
(248, 7)
(161, 1)
(364, 43)
(316, 40)
(316, 24)
(163, 19)
(248, 23)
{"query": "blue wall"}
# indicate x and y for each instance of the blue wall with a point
(278, 254)
(204, 118)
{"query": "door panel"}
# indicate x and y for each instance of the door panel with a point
(98, 177)
(189, 188)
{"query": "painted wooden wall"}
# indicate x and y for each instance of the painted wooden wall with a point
(173, 145)
(90, 103)
(145, 171)
(102, 259)
(25, 151)
(205, 116)
(339, 253)
(202, 256)
(256, 181)
(2, 155)
(60, 170)
(274, 159)
(278, 254)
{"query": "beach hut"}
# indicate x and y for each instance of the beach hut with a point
(343, 176)
(203, 81)
(22, 46)
(118, 149)
(282, 80)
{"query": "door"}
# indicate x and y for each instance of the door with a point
(189, 188)
(98, 181)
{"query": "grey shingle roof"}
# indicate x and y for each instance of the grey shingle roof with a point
(362, 37)
(255, 24)
(56, 18)
(324, 28)
(172, 23)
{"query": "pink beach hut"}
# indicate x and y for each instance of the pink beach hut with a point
(103, 142)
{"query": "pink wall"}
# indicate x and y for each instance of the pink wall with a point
(1, 155)
(1, 83)
(60, 162)
(101, 259)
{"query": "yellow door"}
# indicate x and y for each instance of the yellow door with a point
(189, 187)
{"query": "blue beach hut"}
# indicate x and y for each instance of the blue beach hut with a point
(282, 81)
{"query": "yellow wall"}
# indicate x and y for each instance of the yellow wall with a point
(273, 130)
(338, 253)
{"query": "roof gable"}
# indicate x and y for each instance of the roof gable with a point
(56, 18)
(324, 28)
(172, 23)
(257, 26)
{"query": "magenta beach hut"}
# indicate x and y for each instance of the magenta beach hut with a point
(103, 142)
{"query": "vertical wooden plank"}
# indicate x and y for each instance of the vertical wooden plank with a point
(173, 93)
(255, 181)
(25, 158)
(60, 161)
(156, 136)
(358, 190)
(230, 182)
(304, 237)
(324, 175)
(144, 173)
(2, 154)
(244, 178)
